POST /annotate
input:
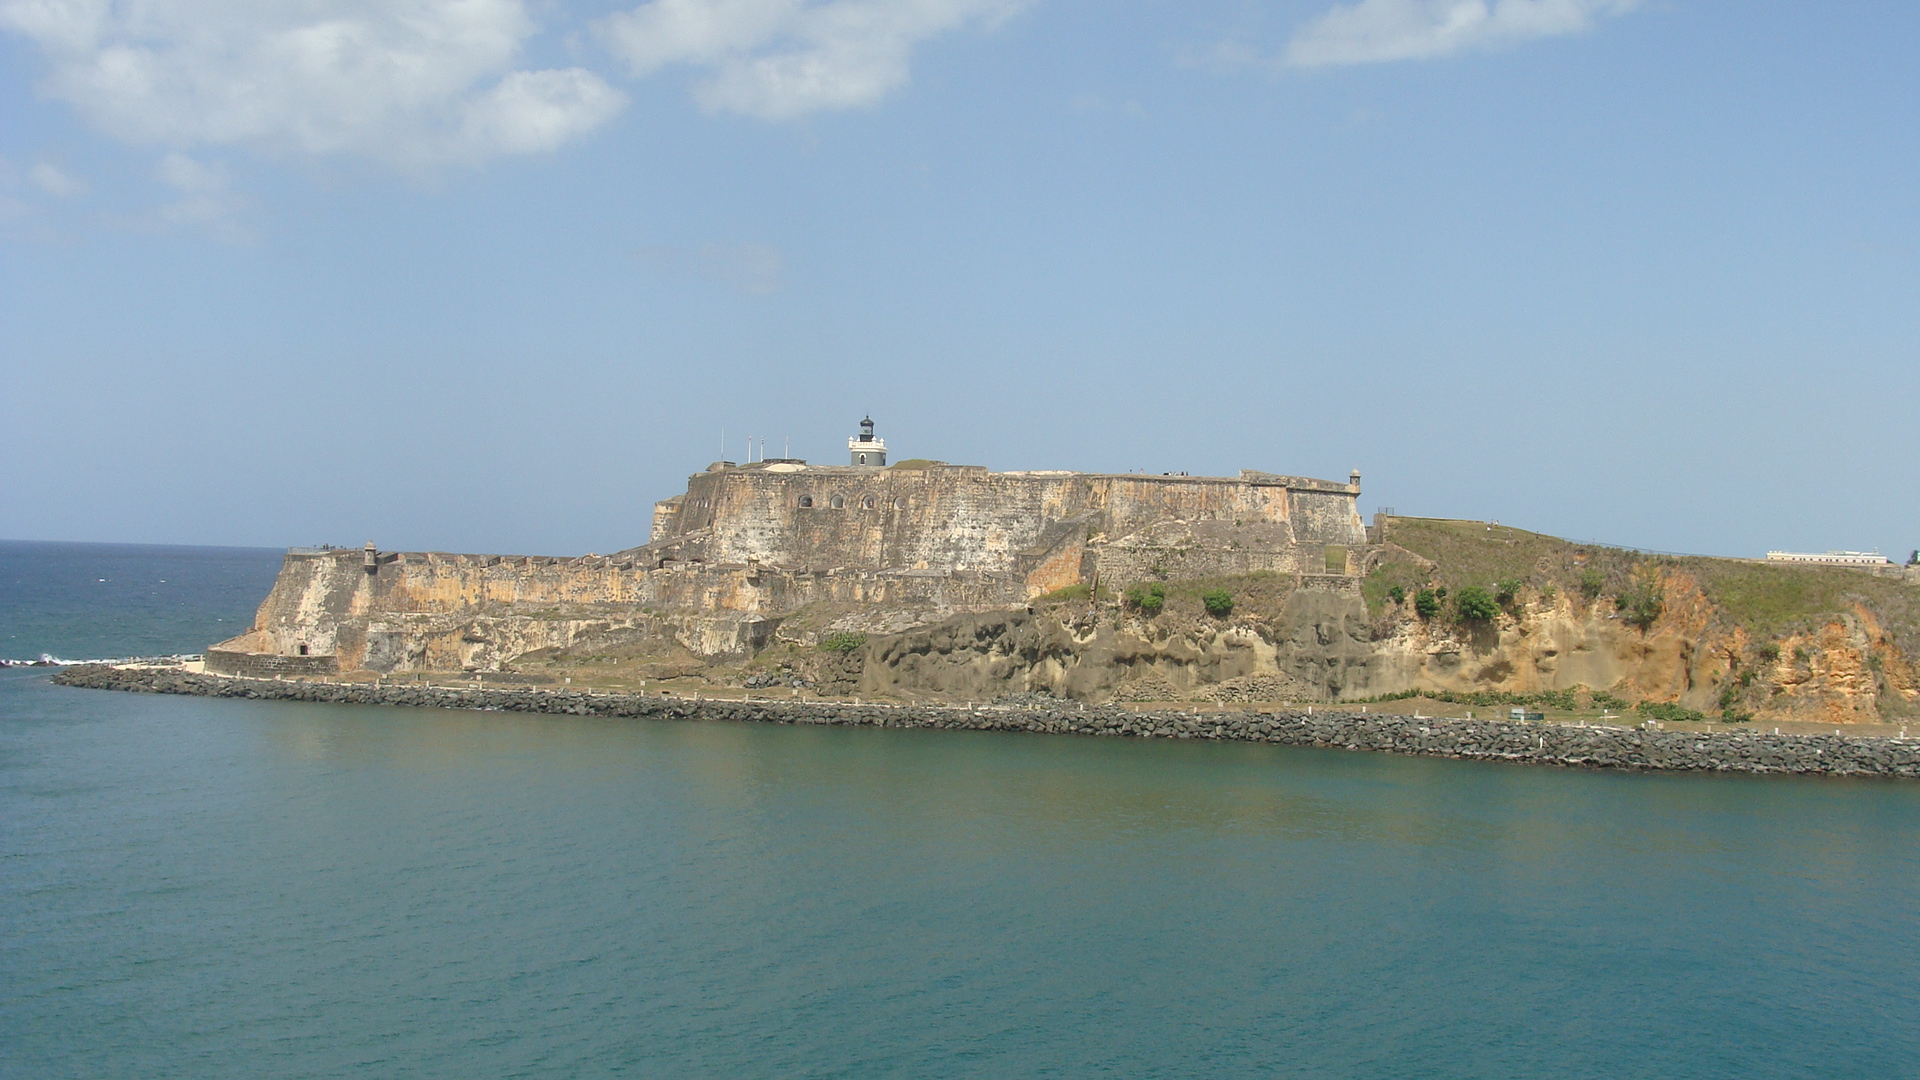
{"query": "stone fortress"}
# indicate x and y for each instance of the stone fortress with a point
(749, 547)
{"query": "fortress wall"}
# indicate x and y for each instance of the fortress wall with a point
(436, 611)
(966, 518)
(941, 518)
(1135, 500)
(1121, 565)
(1327, 517)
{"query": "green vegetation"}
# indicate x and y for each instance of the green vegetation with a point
(1474, 605)
(1336, 559)
(1640, 605)
(844, 642)
(1768, 600)
(1668, 711)
(1769, 651)
(1604, 700)
(1390, 581)
(1426, 603)
(1506, 590)
(1147, 598)
(1218, 602)
(1566, 700)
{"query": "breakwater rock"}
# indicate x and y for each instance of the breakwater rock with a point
(1480, 740)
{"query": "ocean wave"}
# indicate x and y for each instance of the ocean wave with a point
(50, 660)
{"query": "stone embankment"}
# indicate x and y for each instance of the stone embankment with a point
(1479, 740)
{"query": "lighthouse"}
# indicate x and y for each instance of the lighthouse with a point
(864, 448)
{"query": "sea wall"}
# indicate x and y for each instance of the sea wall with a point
(1479, 740)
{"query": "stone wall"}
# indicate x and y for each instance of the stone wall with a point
(967, 519)
(267, 665)
(747, 546)
(1479, 740)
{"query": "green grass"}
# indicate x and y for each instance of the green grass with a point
(1765, 600)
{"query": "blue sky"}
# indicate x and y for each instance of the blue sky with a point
(494, 275)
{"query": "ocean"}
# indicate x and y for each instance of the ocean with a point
(201, 888)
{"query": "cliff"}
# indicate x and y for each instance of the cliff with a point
(1728, 638)
(1447, 607)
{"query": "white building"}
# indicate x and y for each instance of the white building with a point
(1832, 558)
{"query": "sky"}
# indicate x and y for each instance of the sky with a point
(496, 275)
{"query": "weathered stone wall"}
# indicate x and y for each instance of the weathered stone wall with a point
(438, 612)
(745, 547)
(968, 519)
(267, 665)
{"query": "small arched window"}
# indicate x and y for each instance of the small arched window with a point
(836, 502)
(900, 503)
(806, 501)
(866, 503)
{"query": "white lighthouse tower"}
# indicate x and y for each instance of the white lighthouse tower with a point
(864, 448)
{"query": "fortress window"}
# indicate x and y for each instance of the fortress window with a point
(900, 503)
(836, 502)
(866, 503)
(806, 501)
(303, 650)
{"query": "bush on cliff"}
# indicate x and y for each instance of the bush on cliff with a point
(1219, 602)
(1147, 598)
(844, 642)
(1640, 606)
(1474, 605)
(1426, 603)
(1669, 711)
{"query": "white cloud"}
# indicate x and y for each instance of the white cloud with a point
(777, 59)
(55, 181)
(415, 83)
(1372, 31)
(204, 200)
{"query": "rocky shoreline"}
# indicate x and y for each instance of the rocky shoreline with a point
(1477, 740)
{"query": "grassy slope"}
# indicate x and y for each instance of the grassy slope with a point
(1766, 600)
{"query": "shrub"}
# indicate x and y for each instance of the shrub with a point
(1591, 582)
(1474, 605)
(1441, 592)
(1669, 711)
(1769, 651)
(1219, 602)
(1506, 590)
(1426, 603)
(1640, 606)
(1147, 598)
(1608, 701)
(844, 642)
(1397, 594)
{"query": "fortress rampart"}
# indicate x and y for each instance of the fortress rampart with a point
(748, 546)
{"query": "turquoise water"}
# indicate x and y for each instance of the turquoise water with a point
(202, 888)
